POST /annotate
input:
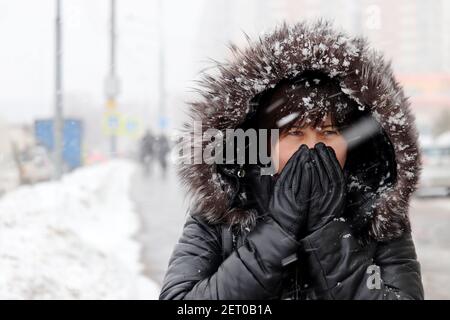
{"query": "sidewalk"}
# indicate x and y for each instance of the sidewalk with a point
(73, 239)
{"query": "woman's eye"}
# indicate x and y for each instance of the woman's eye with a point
(329, 132)
(295, 133)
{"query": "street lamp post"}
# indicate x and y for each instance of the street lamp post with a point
(58, 116)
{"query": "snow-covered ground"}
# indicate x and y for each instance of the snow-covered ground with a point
(73, 239)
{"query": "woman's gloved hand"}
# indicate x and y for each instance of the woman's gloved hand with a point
(328, 188)
(289, 202)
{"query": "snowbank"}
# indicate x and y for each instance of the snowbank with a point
(73, 239)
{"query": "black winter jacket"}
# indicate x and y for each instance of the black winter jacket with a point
(213, 262)
(233, 251)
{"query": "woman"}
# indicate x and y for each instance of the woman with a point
(332, 222)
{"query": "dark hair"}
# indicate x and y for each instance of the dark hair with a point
(312, 95)
(304, 100)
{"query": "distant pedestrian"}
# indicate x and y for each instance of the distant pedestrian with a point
(162, 147)
(147, 151)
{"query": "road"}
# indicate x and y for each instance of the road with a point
(162, 209)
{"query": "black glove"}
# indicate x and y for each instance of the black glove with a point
(290, 199)
(328, 188)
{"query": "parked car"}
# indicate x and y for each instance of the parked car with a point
(35, 165)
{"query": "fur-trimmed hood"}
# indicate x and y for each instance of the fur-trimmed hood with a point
(364, 75)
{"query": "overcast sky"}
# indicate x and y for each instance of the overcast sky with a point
(27, 51)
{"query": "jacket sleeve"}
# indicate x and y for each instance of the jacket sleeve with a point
(253, 271)
(340, 268)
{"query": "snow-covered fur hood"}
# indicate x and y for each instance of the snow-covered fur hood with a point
(284, 53)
